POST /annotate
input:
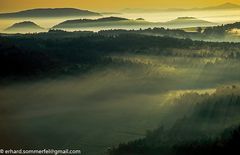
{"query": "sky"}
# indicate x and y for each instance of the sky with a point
(107, 5)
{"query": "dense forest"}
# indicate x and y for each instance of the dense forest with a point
(210, 126)
(58, 52)
(221, 30)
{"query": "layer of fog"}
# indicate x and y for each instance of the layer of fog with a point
(216, 16)
(106, 107)
(219, 17)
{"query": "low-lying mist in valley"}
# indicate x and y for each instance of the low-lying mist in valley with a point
(109, 105)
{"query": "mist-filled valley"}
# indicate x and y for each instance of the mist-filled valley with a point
(104, 108)
(133, 81)
(82, 90)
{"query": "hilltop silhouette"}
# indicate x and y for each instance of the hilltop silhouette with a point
(26, 26)
(49, 12)
(125, 23)
(106, 22)
(224, 6)
(189, 22)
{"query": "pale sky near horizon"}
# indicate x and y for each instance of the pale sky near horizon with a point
(107, 5)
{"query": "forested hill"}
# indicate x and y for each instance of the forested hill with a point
(221, 30)
(40, 55)
(210, 126)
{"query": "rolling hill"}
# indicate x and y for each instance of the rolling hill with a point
(182, 22)
(49, 12)
(105, 23)
(24, 27)
(124, 23)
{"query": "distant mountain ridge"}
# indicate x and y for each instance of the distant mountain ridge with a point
(49, 12)
(224, 6)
